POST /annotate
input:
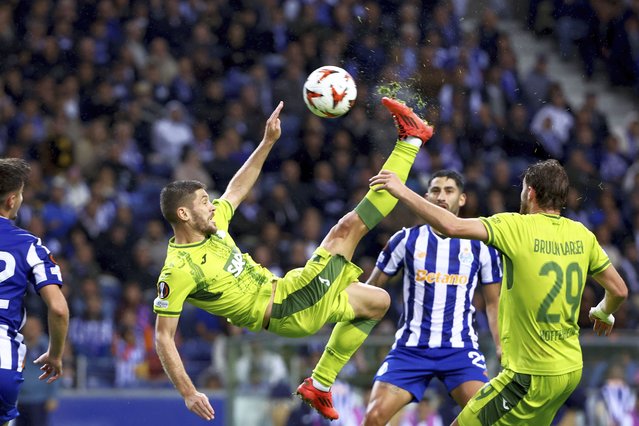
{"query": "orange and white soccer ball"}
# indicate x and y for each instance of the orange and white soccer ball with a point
(329, 92)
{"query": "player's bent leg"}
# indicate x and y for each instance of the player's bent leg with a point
(368, 301)
(464, 392)
(386, 400)
(366, 307)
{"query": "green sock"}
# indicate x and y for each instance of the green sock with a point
(345, 339)
(378, 204)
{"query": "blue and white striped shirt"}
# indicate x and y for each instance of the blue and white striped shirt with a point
(23, 260)
(440, 278)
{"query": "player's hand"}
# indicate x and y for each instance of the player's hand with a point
(199, 404)
(273, 129)
(601, 327)
(387, 180)
(603, 321)
(51, 367)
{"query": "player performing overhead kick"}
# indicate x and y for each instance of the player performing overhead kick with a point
(205, 268)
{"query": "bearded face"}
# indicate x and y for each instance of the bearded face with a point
(202, 214)
(444, 192)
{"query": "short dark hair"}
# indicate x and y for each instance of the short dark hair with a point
(450, 174)
(176, 194)
(14, 173)
(550, 181)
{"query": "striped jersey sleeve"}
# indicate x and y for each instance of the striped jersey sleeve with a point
(391, 258)
(44, 270)
(490, 271)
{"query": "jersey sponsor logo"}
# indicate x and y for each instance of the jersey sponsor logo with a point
(466, 257)
(163, 290)
(324, 281)
(552, 335)
(438, 277)
(161, 304)
(235, 264)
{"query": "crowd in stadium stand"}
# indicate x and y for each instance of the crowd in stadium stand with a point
(602, 34)
(111, 99)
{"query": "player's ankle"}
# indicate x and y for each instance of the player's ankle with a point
(319, 386)
(413, 140)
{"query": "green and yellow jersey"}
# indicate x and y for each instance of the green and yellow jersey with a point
(546, 259)
(216, 276)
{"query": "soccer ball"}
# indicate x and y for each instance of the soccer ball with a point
(329, 92)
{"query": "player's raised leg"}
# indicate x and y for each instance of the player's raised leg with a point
(368, 304)
(413, 132)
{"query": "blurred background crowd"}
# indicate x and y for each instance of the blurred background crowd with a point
(111, 99)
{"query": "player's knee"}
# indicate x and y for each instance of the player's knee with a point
(348, 225)
(381, 303)
(375, 415)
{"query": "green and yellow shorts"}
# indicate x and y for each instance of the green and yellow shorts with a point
(309, 297)
(519, 399)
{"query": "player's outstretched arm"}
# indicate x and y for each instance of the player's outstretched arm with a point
(195, 401)
(58, 320)
(616, 293)
(247, 175)
(439, 218)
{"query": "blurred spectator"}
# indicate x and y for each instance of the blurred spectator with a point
(259, 370)
(114, 251)
(616, 402)
(553, 122)
(58, 217)
(77, 190)
(191, 168)
(613, 163)
(129, 356)
(170, 135)
(537, 84)
(153, 240)
(91, 336)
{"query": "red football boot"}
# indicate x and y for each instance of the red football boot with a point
(320, 400)
(406, 121)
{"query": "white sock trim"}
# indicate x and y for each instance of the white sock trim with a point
(317, 385)
(414, 141)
